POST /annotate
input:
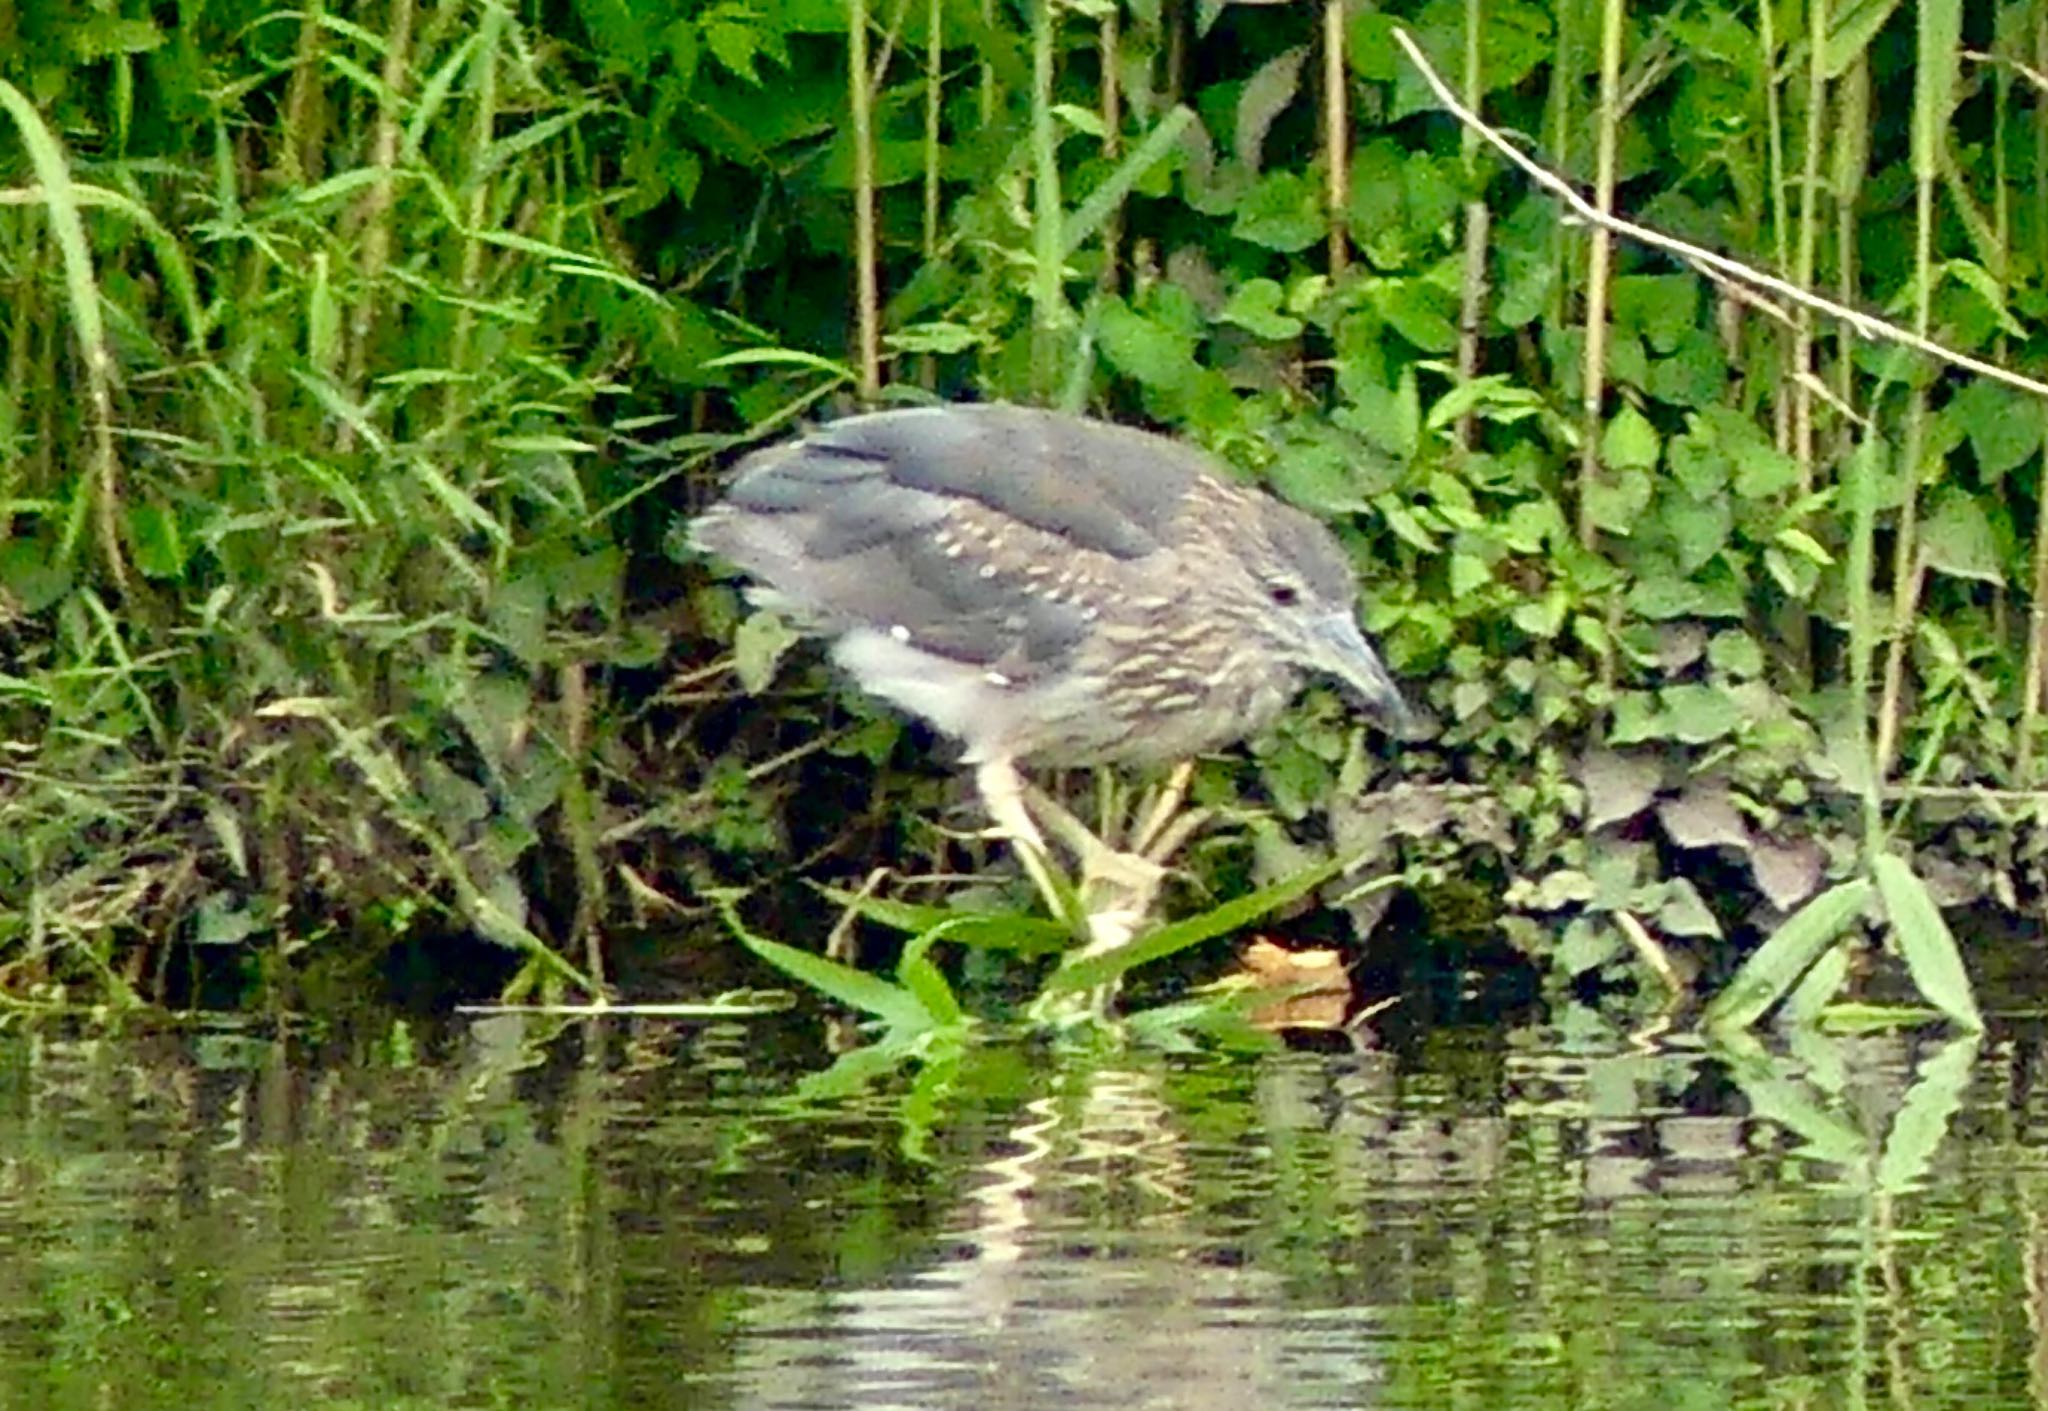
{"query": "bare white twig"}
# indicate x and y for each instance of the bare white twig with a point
(1867, 325)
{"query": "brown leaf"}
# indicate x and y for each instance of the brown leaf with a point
(1618, 786)
(1680, 645)
(1703, 816)
(1787, 873)
(1318, 985)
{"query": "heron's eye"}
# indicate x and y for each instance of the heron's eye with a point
(1284, 595)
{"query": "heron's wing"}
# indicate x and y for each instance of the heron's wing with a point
(1091, 484)
(833, 535)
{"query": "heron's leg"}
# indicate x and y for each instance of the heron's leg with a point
(1002, 793)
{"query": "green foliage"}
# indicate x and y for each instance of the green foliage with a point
(358, 360)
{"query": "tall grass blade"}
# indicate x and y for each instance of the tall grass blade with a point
(81, 291)
(856, 989)
(1770, 974)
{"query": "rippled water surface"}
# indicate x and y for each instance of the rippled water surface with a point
(632, 1213)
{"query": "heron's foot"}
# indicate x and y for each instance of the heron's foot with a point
(1118, 887)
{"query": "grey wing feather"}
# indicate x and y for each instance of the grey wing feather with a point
(1094, 484)
(838, 533)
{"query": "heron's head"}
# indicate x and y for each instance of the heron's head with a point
(1305, 603)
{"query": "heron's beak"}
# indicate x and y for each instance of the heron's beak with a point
(1342, 651)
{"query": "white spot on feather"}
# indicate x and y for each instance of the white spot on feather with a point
(900, 632)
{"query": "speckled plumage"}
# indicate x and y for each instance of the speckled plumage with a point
(1045, 587)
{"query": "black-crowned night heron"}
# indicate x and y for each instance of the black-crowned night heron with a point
(1045, 588)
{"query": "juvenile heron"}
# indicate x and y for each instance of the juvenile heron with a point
(1045, 588)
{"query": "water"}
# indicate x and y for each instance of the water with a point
(638, 1214)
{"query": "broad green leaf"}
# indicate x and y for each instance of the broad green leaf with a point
(1696, 712)
(158, 546)
(1684, 912)
(1319, 477)
(1544, 617)
(1404, 523)
(1762, 471)
(1660, 307)
(923, 978)
(1735, 653)
(1699, 464)
(1958, 539)
(1494, 397)
(1699, 529)
(1617, 499)
(1926, 942)
(1255, 307)
(1389, 417)
(758, 647)
(1630, 442)
(1588, 943)
(1284, 212)
(1146, 348)
(1769, 974)
(1469, 574)
(856, 989)
(2005, 426)
(1419, 311)
(1032, 935)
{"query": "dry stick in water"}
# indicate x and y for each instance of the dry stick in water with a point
(1868, 325)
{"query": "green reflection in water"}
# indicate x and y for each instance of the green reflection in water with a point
(626, 1213)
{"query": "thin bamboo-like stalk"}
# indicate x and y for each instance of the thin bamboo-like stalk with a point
(1851, 161)
(1558, 118)
(483, 130)
(1047, 297)
(986, 91)
(1472, 276)
(1939, 26)
(1781, 224)
(1810, 197)
(1598, 267)
(934, 92)
(1861, 484)
(303, 122)
(579, 821)
(2035, 679)
(866, 286)
(1800, 624)
(374, 214)
(1336, 133)
(1109, 46)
